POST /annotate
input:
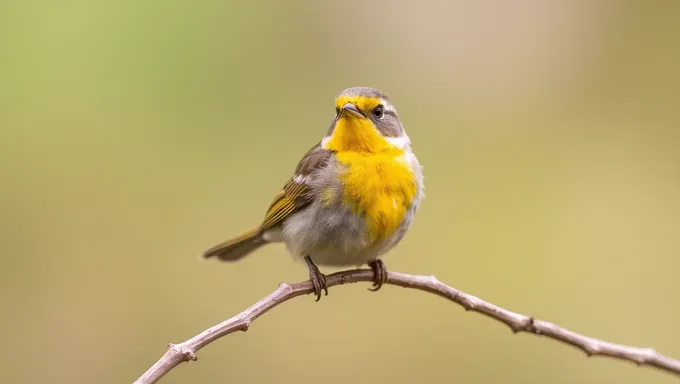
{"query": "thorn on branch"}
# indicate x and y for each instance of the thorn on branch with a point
(528, 325)
(591, 350)
(531, 326)
(185, 353)
(190, 355)
(469, 304)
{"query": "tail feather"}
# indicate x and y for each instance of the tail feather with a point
(237, 247)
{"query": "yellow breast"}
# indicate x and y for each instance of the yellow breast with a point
(377, 182)
(378, 186)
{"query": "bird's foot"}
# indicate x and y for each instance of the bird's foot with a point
(379, 274)
(318, 279)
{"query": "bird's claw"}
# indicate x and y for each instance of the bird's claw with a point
(318, 279)
(379, 274)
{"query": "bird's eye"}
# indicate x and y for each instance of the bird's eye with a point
(378, 112)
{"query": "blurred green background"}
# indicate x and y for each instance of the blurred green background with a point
(134, 135)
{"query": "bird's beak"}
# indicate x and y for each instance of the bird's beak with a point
(352, 109)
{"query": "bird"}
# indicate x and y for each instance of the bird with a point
(351, 199)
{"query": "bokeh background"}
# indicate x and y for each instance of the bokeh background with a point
(134, 135)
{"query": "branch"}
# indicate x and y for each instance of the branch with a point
(178, 353)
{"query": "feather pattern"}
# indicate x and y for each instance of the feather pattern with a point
(295, 193)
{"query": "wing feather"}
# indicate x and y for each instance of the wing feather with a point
(295, 194)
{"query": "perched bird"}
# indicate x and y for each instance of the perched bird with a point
(351, 198)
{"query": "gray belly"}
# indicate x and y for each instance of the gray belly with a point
(329, 235)
(333, 236)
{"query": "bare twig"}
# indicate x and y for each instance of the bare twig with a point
(186, 351)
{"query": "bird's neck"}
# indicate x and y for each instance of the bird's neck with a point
(358, 135)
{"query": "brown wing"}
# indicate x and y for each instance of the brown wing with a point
(295, 193)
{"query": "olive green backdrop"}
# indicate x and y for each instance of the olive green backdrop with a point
(134, 135)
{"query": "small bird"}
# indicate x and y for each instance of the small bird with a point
(351, 198)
